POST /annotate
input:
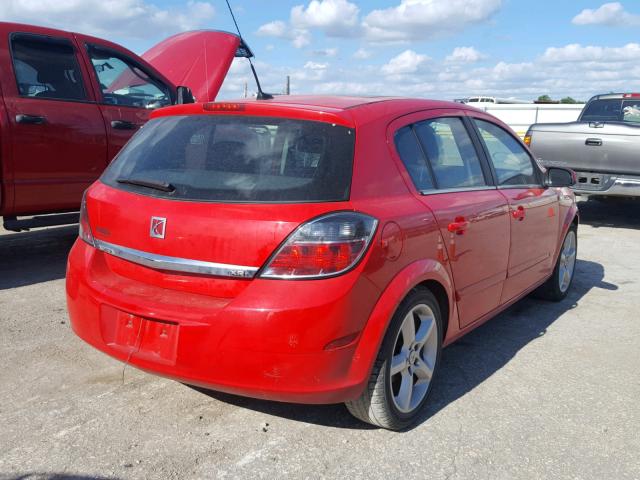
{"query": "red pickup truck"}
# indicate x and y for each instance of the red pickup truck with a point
(69, 102)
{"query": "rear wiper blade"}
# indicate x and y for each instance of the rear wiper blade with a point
(156, 185)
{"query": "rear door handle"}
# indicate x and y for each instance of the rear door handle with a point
(458, 226)
(593, 142)
(519, 213)
(30, 119)
(123, 125)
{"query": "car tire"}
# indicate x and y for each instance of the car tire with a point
(385, 401)
(558, 285)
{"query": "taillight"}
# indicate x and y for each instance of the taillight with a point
(327, 246)
(527, 139)
(84, 229)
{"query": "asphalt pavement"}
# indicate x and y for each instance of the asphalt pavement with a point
(544, 390)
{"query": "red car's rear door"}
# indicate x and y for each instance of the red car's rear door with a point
(453, 181)
(534, 215)
(58, 139)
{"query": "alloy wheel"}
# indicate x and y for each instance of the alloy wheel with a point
(567, 261)
(414, 358)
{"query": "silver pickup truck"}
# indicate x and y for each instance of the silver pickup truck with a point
(602, 146)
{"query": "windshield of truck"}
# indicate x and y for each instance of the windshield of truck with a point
(612, 110)
(232, 158)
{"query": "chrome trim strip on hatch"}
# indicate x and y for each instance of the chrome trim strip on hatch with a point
(175, 264)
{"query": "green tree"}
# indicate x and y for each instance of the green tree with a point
(545, 98)
(569, 100)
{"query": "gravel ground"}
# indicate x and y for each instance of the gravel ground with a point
(542, 391)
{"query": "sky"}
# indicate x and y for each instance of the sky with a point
(440, 49)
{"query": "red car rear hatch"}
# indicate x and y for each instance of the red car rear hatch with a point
(216, 191)
(199, 60)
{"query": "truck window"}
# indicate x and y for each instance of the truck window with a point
(46, 68)
(512, 163)
(602, 111)
(612, 110)
(124, 83)
(631, 111)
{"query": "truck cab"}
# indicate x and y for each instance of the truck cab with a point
(69, 102)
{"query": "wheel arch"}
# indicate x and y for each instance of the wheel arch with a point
(424, 273)
(571, 219)
(443, 299)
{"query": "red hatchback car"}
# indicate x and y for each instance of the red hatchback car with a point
(315, 249)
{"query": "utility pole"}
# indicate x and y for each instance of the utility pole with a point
(246, 90)
(287, 86)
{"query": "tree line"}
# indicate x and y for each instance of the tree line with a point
(548, 99)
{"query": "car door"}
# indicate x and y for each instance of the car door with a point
(453, 181)
(58, 139)
(128, 91)
(534, 214)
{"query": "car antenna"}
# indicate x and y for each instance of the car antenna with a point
(261, 95)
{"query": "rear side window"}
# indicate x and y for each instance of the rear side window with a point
(512, 163)
(46, 68)
(232, 158)
(451, 153)
(411, 155)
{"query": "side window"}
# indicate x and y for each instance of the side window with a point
(46, 68)
(450, 151)
(413, 158)
(122, 82)
(512, 163)
(631, 111)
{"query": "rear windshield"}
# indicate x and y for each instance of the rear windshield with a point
(612, 110)
(232, 158)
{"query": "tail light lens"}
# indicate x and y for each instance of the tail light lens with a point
(327, 246)
(84, 229)
(527, 139)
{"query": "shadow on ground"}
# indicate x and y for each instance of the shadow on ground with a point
(28, 258)
(610, 212)
(465, 364)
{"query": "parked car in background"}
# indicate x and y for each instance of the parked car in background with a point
(69, 102)
(483, 99)
(602, 146)
(315, 249)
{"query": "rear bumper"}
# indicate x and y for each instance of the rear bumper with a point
(590, 183)
(294, 341)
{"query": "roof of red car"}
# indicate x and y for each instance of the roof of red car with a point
(347, 110)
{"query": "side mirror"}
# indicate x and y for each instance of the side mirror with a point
(184, 95)
(560, 177)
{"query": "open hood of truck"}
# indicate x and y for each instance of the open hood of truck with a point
(199, 60)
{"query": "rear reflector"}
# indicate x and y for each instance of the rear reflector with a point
(327, 246)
